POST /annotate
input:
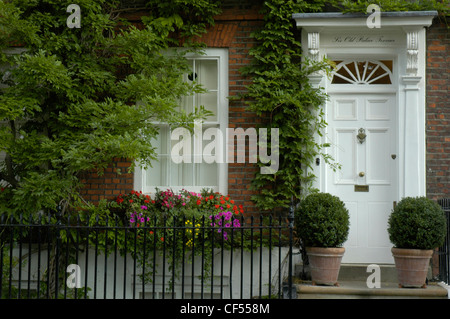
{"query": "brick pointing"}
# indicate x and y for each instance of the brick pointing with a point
(438, 111)
(114, 181)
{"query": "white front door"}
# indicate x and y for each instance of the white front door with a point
(362, 133)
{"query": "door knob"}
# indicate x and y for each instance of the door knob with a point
(361, 174)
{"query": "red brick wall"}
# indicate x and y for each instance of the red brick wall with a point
(438, 111)
(114, 181)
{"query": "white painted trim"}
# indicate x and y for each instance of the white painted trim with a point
(322, 21)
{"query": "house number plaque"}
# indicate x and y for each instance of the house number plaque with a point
(361, 188)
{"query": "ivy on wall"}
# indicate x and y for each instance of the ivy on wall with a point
(282, 94)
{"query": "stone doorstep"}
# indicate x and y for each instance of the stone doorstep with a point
(358, 272)
(352, 284)
(359, 290)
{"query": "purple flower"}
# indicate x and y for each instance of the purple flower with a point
(144, 207)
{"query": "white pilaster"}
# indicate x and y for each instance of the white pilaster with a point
(411, 161)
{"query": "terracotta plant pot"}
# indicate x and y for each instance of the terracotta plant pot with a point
(325, 264)
(412, 266)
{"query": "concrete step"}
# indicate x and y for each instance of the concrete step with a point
(358, 290)
(358, 272)
(353, 285)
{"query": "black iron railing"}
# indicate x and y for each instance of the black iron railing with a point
(444, 250)
(180, 258)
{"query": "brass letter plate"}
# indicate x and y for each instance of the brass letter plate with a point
(361, 188)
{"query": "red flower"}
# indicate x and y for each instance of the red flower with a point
(199, 201)
(130, 200)
(211, 196)
(217, 206)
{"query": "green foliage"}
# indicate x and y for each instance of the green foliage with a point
(72, 100)
(322, 221)
(442, 6)
(417, 223)
(281, 93)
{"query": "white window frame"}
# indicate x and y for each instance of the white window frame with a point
(221, 56)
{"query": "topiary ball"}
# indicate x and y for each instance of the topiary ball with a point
(322, 220)
(417, 223)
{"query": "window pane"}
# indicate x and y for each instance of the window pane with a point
(208, 174)
(156, 175)
(209, 101)
(207, 73)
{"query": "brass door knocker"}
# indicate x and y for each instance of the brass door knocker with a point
(361, 135)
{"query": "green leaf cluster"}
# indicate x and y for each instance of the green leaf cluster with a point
(417, 223)
(73, 99)
(442, 6)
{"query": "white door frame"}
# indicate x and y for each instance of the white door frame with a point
(402, 36)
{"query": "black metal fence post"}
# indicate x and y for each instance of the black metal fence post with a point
(444, 250)
(290, 294)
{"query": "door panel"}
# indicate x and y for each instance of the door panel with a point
(378, 160)
(345, 153)
(367, 164)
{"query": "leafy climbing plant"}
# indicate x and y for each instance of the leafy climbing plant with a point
(282, 94)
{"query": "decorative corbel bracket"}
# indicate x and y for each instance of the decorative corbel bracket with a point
(412, 51)
(314, 45)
